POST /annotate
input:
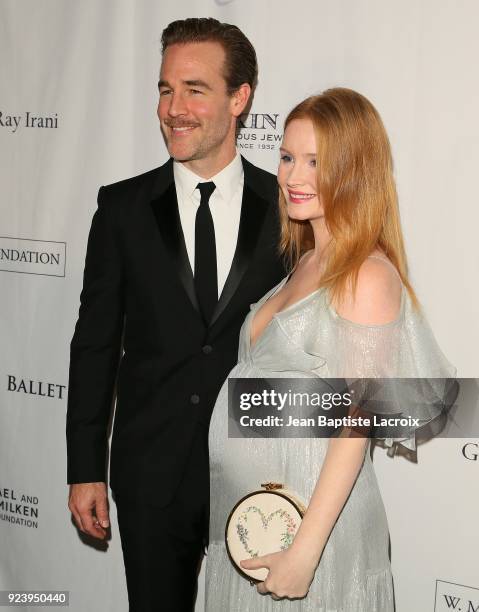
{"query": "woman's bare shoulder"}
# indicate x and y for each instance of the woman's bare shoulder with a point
(377, 298)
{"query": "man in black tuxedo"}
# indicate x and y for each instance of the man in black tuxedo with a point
(175, 257)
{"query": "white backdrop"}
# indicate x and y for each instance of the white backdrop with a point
(78, 110)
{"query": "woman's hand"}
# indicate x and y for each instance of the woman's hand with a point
(291, 572)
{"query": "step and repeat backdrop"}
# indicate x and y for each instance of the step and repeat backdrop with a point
(78, 95)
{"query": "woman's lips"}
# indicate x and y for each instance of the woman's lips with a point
(297, 197)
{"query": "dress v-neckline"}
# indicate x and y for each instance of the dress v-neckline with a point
(252, 345)
(282, 283)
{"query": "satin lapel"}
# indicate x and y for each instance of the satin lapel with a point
(253, 211)
(165, 208)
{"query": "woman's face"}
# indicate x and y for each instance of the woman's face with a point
(297, 173)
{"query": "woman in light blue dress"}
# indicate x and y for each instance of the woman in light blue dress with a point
(347, 310)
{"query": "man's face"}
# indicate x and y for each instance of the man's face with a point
(196, 113)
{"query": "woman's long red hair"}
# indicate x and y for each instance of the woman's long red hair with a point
(356, 183)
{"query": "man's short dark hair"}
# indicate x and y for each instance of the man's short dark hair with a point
(240, 64)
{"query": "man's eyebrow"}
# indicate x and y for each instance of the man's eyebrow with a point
(191, 83)
(197, 83)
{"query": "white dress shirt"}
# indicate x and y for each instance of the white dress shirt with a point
(225, 206)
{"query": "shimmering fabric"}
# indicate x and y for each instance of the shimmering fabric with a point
(310, 339)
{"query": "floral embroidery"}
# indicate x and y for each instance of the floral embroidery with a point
(286, 537)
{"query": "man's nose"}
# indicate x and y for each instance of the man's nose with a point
(177, 106)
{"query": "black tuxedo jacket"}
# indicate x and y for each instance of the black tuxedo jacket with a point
(138, 291)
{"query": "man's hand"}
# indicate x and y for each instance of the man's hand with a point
(88, 502)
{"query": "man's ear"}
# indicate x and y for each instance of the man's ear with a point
(239, 99)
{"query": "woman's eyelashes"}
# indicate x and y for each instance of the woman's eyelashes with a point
(288, 159)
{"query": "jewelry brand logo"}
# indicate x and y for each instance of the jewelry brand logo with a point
(18, 508)
(452, 596)
(30, 256)
(258, 131)
(12, 123)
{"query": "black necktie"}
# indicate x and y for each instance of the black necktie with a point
(206, 281)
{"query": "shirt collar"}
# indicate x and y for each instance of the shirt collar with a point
(226, 180)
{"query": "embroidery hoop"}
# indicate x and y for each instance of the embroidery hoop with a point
(289, 499)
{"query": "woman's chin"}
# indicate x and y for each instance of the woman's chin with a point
(299, 215)
(302, 214)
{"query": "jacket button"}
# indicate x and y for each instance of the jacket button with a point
(207, 349)
(195, 399)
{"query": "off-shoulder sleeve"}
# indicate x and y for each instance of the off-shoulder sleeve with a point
(403, 349)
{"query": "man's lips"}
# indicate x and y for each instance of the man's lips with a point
(298, 197)
(181, 130)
